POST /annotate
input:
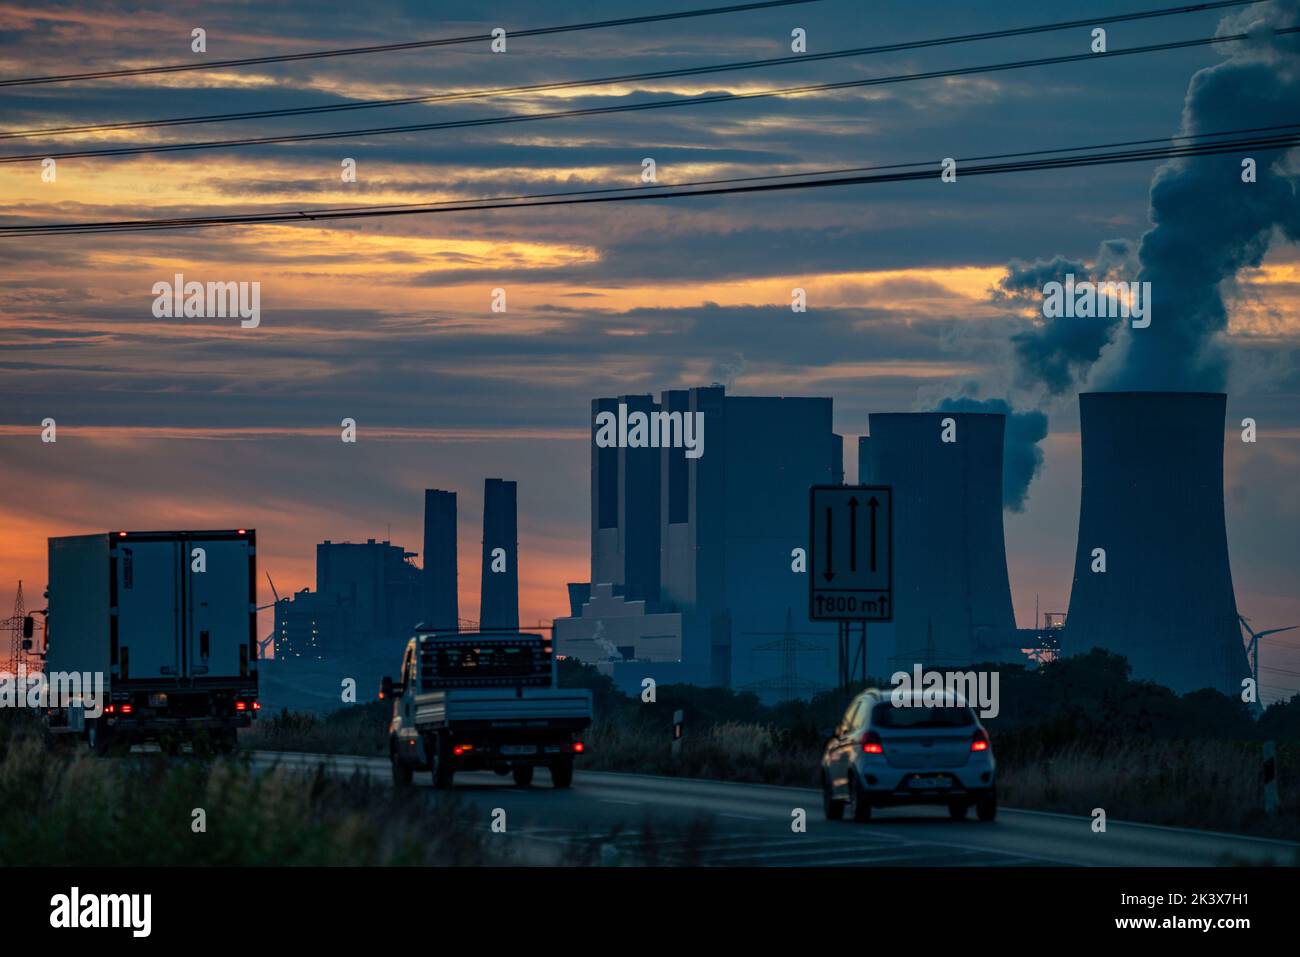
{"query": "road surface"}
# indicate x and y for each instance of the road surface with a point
(632, 818)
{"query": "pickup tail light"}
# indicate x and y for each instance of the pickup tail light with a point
(460, 749)
(578, 747)
(981, 741)
(871, 743)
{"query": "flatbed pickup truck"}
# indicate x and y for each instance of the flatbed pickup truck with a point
(483, 701)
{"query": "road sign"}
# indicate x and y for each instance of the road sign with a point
(851, 553)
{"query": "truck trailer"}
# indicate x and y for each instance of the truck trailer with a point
(170, 620)
(483, 700)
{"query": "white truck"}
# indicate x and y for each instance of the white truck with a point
(483, 700)
(170, 621)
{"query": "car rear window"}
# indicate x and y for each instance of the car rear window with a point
(885, 715)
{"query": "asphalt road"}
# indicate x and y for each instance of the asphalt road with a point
(633, 818)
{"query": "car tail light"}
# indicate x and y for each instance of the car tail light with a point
(981, 741)
(871, 743)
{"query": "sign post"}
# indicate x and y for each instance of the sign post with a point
(851, 565)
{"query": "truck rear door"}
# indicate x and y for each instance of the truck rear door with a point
(218, 607)
(149, 624)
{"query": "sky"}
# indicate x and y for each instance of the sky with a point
(916, 291)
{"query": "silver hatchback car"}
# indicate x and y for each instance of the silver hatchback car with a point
(895, 748)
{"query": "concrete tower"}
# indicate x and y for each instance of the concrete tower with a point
(952, 601)
(1152, 499)
(441, 608)
(499, 607)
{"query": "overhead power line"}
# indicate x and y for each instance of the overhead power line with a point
(409, 45)
(607, 80)
(758, 184)
(633, 107)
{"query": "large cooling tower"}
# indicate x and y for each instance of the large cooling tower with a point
(952, 600)
(1152, 498)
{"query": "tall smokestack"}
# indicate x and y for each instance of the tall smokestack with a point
(441, 609)
(1152, 499)
(952, 602)
(500, 594)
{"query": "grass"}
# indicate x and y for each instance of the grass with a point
(70, 808)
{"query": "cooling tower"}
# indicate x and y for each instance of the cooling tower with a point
(499, 606)
(441, 608)
(952, 601)
(1152, 498)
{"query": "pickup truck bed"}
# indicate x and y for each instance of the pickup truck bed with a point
(502, 708)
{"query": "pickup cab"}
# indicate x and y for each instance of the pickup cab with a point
(483, 700)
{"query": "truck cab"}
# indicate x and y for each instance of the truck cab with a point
(484, 700)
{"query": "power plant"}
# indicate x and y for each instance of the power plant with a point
(1151, 575)
(952, 602)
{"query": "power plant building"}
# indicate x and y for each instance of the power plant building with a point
(720, 529)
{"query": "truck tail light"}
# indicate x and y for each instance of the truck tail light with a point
(241, 705)
(578, 747)
(127, 709)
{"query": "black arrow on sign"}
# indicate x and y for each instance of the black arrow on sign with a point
(853, 534)
(873, 505)
(830, 569)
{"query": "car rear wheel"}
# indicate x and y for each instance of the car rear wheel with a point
(833, 807)
(403, 773)
(440, 763)
(523, 775)
(957, 810)
(562, 773)
(861, 804)
(986, 809)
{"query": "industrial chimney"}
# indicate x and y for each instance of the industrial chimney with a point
(440, 605)
(952, 601)
(500, 594)
(1151, 515)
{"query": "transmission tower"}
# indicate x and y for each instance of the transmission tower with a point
(788, 685)
(15, 625)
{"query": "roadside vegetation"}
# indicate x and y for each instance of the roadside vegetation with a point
(1075, 735)
(66, 807)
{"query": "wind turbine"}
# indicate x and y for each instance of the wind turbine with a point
(1252, 651)
(267, 641)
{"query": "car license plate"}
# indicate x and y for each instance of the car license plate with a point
(519, 749)
(930, 783)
